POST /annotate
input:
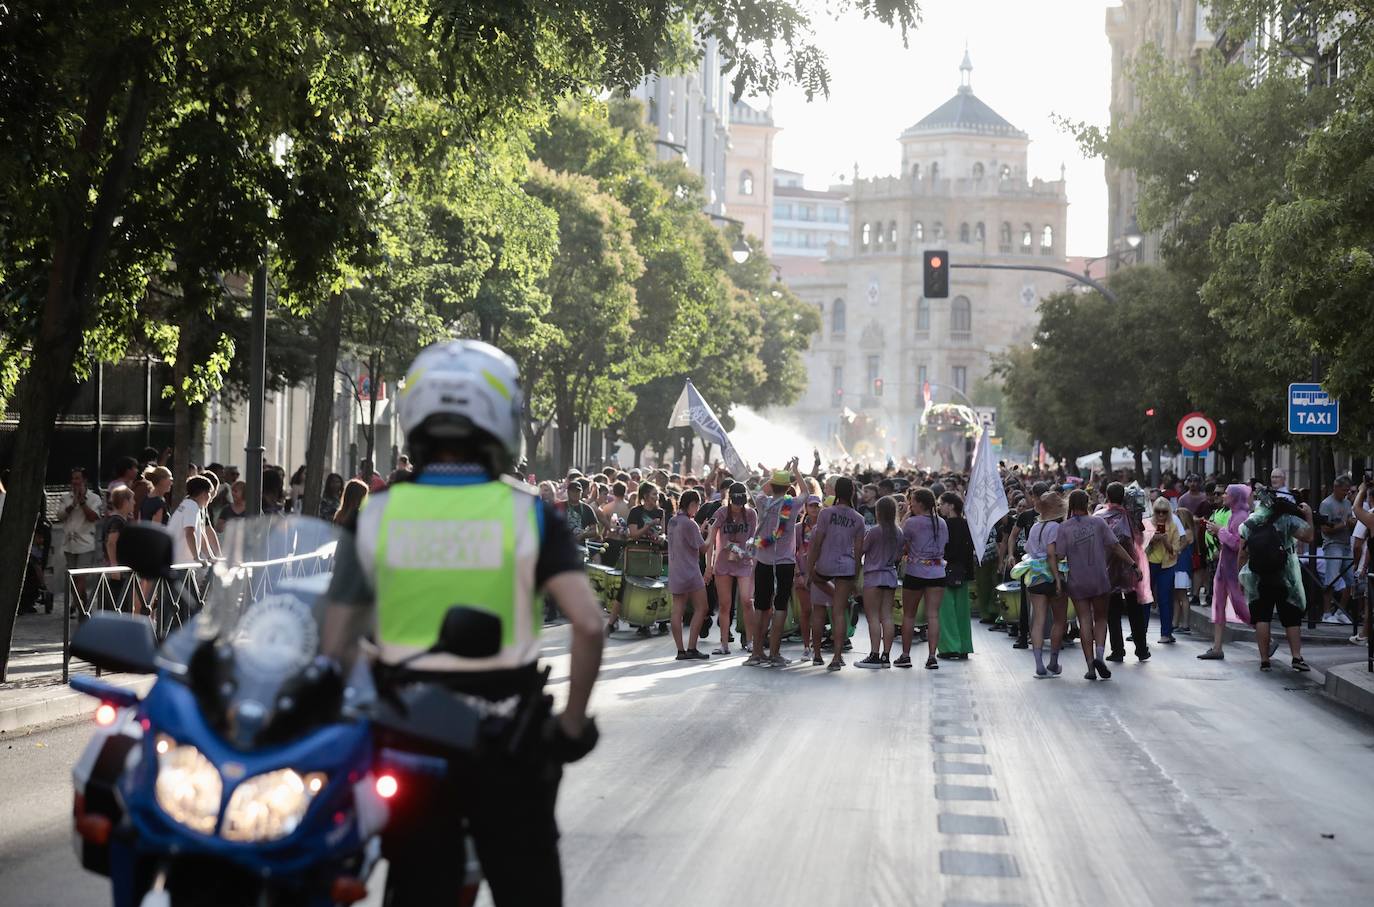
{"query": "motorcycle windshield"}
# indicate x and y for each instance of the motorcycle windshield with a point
(263, 614)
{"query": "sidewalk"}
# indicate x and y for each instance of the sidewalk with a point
(34, 694)
(1342, 669)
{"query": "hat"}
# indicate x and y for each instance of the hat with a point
(1053, 506)
(781, 478)
(813, 499)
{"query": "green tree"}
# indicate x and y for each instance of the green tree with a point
(583, 370)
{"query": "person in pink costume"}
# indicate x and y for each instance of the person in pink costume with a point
(1226, 586)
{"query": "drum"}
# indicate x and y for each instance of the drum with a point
(1009, 597)
(644, 561)
(605, 581)
(645, 601)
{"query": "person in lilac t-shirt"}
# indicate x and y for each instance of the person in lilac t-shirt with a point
(1088, 543)
(923, 580)
(835, 555)
(731, 563)
(882, 549)
(775, 561)
(684, 577)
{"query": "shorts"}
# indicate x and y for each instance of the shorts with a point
(1262, 609)
(81, 561)
(822, 578)
(1335, 566)
(773, 586)
(1042, 589)
(923, 582)
(1183, 579)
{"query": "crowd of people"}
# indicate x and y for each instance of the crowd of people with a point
(894, 545)
(212, 497)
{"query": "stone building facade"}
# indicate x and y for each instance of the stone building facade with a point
(963, 187)
(1178, 29)
(749, 171)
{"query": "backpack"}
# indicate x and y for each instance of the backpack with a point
(1268, 553)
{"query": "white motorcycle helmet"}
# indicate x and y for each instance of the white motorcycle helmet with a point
(463, 391)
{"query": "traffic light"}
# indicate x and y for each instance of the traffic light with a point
(877, 387)
(936, 274)
(1150, 412)
(839, 395)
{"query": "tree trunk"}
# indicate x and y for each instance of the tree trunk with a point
(1138, 452)
(639, 455)
(1107, 463)
(322, 402)
(181, 413)
(533, 435)
(78, 253)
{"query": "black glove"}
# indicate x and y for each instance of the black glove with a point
(565, 749)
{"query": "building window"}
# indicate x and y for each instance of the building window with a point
(934, 172)
(864, 236)
(960, 378)
(922, 376)
(746, 183)
(960, 318)
(837, 318)
(923, 316)
(964, 233)
(979, 233)
(1027, 237)
(892, 234)
(918, 232)
(837, 383)
(1006, 237)
(1047, 238)
(978, 171)
(872, 362)
(782, 211)
(939, 231)
(1005, 172)
(830, 215)
(915, 172)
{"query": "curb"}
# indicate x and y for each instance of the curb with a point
(1202, 621)
(1351, 685)
(65, 706)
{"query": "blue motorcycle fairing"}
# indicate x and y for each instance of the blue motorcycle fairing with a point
(105, 692)
(328, 830)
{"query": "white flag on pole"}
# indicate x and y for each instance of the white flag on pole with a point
(691, 411)
(987, 499)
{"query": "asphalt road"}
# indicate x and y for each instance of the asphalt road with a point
(1177, 782)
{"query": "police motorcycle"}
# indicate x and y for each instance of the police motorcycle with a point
(251, 772)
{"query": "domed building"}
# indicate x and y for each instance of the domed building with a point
(963, 187)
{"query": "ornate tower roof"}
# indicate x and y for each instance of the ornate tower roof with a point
(965, 112)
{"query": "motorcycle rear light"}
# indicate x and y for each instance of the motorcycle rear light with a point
(387, 786)
(105, 714)
(347, 890)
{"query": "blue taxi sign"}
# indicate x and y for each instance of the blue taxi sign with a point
(1312, 411)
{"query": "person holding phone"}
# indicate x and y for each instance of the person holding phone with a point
(1163, 543)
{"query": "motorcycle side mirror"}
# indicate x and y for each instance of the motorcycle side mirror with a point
(469, 633)
(146, 549)
(117, 642)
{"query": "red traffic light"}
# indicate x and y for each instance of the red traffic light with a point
(936, 261)
(1150, 411)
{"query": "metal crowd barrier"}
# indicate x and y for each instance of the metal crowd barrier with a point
(170, 603)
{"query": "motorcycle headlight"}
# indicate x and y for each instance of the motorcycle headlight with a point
(269, 806)
(188, 786)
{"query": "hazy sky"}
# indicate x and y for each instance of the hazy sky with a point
(1031, 60)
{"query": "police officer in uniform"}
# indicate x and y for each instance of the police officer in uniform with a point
(463, 534)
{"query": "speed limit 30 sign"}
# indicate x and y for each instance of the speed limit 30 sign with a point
(1196, 432)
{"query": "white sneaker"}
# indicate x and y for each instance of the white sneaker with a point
(806, 655)
(1358, 640)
